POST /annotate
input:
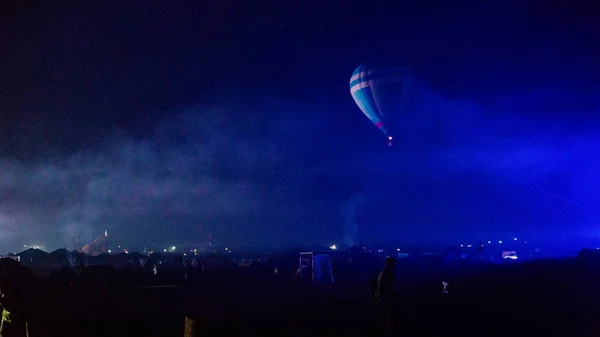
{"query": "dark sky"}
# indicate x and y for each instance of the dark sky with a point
(165, 122)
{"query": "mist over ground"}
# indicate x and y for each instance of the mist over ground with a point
(283, 173)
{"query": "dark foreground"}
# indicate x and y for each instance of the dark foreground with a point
(546, 299)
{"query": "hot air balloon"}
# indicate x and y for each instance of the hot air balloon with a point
(382, 94)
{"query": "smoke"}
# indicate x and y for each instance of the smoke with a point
(349, 213)
(190, 176)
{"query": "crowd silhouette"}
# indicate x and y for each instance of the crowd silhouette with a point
(419, 295)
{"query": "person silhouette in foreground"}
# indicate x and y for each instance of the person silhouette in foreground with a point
(14, 311)
(386, 294)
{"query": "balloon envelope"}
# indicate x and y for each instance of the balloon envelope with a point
(381, 93)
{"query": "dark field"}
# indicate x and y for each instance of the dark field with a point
(555, 298)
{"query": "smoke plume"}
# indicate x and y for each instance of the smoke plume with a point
(349, 213)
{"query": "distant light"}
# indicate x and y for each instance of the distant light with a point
(500, 241)
(173, 248)
(390, 138)
(515, 239)
(397, 249)
(525, 242)
(226, 248)
(469, 246)
(164, 250)
(333, 247)
(462, 245)
(489, 241)
(109, 251)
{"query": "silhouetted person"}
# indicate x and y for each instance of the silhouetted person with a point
(444, 287)
(14, 310)
(386, 293)
(188, 271)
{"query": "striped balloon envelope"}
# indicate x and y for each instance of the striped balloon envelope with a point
(382, 93)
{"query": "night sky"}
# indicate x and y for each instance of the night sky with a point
(166, 121)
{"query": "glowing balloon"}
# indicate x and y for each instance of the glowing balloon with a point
(382, 94)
